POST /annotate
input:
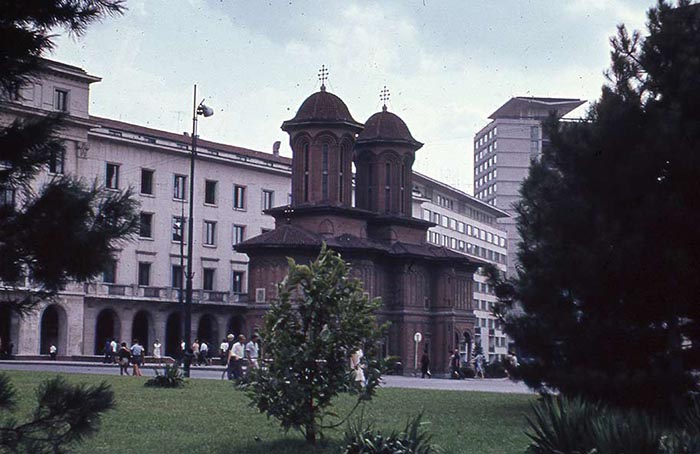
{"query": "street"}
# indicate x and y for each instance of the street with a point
(494, 385)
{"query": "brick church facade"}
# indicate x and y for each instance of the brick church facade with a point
(424, 288)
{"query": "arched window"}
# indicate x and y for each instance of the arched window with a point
(305, 149)
(369, 185)
(387, 188)
(341, 165)
(324, 171)
(402, 207)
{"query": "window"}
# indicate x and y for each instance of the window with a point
(210, 192)
(237, 281)
(268, 199)
(147, 181)
(238, 197)
(306, 172)
(144, 274)
(178, 229)
(238, 234)
(208, 279)
(341, 178)
(7, 196)
(209, 233)
(56, 161)
(146, 225)
(109, 274)
(60, 100)
(112, 176)
(179, 184)
(387, 187)
(324, 171)
(176, 276)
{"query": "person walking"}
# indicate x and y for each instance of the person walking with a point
(136, 357)
(455, 361)
(425, 365)
(251, 352)
(223, 350)
(479, 365)
(157, 351)
(108, 352)
(356, 366)
(115, 348)
(123, 355)
(228, 371)
(237, 357)
(52, 352)
(195, 351)
(203, 353)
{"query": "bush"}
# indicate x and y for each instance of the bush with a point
(393, 365)
(170, 378)
(562, 425)
(467, 372)
(495, 369)
(361, 438)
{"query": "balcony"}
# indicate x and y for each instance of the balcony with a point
(164, 294)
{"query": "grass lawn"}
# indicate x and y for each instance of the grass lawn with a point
(209, 416)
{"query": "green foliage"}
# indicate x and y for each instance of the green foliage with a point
(495, 369)
(320, 318)
(604, 305)
(64, 415)
(393, 365)
(363, 438)
(171, 377)
(65, 230)
(560, 425)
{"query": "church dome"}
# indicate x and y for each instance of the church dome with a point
(385, 126)
(322, 107)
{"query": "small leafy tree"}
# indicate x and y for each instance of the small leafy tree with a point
(65, 414)
(320, 318)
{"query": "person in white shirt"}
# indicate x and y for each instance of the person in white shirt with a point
(251, 352)
(157, 352)
(115, 348)
(52, 352)
(203, 353)
(236, 356)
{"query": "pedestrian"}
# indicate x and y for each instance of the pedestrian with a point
(223, 350)
(195, 351)
(237, 357)
(203, 353)
(157, 352)
(425, 365)
(228, 371)
(52, 352)
(479, 365)
(455, 362)
(115, 347)
(108, 351)
(251, 352)
(356, 366)
(124, 355)
(136, 357)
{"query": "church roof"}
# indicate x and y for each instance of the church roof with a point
(385, 126)
(322, 107)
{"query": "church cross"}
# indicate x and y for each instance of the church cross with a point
(384, 96)
(323, 76)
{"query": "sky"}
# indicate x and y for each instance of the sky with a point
(448, 64)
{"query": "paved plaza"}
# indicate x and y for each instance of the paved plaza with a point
(495, 385)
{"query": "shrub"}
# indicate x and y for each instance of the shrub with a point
(467, 372)
(393, 365)
(361, 438)
(562, 425)
(170, 378)
(495, 369)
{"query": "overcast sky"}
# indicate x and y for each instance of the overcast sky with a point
(448, 64)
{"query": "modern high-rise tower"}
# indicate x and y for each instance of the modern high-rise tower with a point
(503, 151)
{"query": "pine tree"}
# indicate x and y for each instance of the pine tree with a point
(64, 231)
(604, 304)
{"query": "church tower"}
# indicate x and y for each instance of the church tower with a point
(322, 137)
(384, 155)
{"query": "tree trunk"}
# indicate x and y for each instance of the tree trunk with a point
(311, 433)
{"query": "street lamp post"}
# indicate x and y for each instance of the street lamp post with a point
(197, 109)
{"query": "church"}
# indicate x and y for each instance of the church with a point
(425, 289)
